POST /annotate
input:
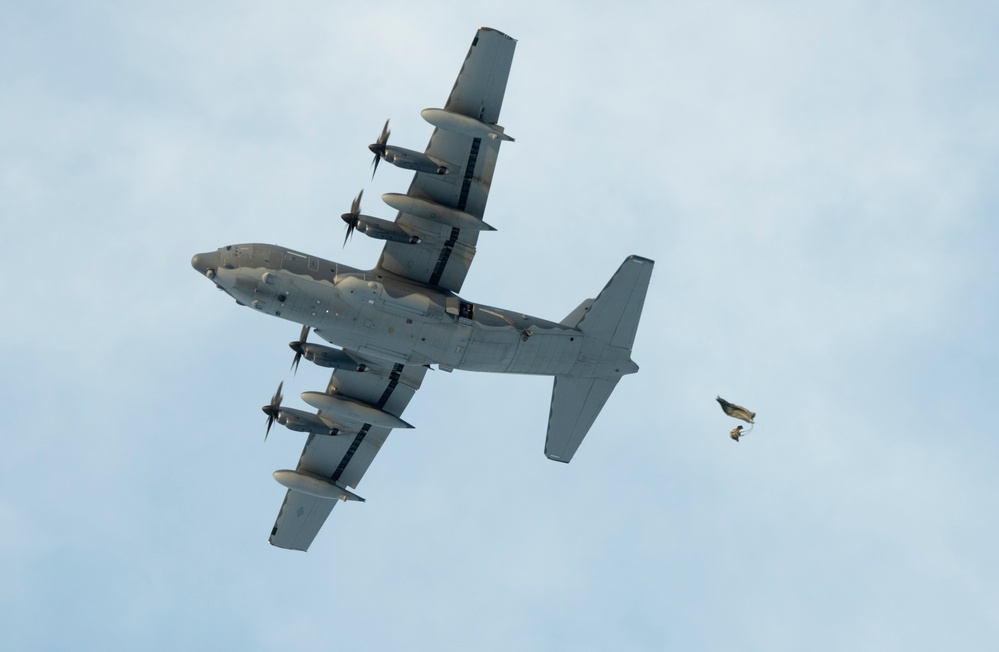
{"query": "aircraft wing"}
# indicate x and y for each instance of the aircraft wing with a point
(345, 457)
(445, 252)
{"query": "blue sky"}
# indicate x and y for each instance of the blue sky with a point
(816, 184)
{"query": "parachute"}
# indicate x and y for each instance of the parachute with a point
(738, 412)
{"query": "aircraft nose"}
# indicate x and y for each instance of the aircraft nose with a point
(206, 263)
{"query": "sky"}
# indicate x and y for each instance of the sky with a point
(816, 184)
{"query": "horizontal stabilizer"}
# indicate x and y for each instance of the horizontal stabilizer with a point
(576, 402)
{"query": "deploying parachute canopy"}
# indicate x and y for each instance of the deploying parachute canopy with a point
(737, 411)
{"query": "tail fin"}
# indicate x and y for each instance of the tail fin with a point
(613, 318)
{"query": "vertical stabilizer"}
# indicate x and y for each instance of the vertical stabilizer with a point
(615, 312)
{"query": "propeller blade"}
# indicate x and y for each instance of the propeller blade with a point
(351, 218)
(299, 347)
(378, 147)
(272, 409)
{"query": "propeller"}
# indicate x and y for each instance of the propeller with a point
(378, 148)
(352, 217)
(299, 347)
(272, 409)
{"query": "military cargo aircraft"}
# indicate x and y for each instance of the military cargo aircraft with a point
(391, 323)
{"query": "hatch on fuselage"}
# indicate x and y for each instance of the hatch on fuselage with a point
(459, 308)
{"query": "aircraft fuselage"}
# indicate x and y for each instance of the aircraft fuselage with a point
(383, 316)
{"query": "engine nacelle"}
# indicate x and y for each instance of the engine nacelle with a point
(379, 229)
(301, 421)
(462, 124)
(331, 358)
(408, 159)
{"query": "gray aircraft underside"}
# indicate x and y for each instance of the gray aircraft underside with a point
(394, 321)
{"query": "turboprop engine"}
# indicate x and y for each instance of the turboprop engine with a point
(374, 227)
(297, 420)
(408, 159)
(401, 157)
(324, 356)
(302, 421)
(379, 229)
(327, 356)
